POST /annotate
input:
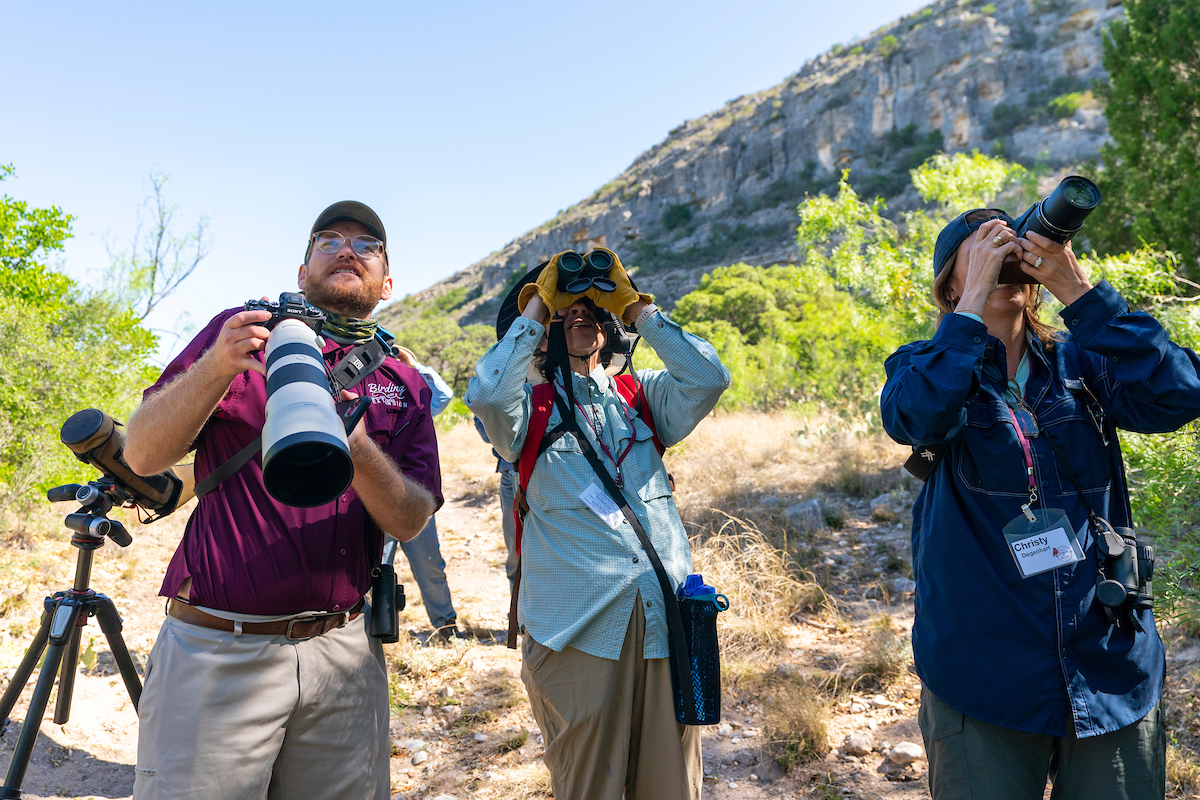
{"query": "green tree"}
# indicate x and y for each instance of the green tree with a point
(440, 342)
(1151, 179)
(62, 349)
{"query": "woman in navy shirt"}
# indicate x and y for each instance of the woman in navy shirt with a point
(1024, 673)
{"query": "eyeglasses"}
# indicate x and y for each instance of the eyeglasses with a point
(331, 241)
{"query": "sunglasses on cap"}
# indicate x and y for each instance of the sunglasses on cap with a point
(330, 242)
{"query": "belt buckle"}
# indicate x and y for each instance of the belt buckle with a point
(321, 619)
(300, 621)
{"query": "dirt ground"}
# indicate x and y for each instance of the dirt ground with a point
(461, 725)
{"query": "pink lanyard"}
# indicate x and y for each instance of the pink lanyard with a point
(1027, 452)
(600, 441)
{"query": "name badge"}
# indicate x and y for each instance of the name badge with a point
(1042, 544)
(602, 505)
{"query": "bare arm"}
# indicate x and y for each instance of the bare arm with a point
(163, 428)
(398, 505)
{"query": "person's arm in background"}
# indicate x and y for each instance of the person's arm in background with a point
(442, 394)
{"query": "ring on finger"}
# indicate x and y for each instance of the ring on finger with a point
(1037, 263)
(997, 239)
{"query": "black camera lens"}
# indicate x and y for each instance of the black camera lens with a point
(600, 261)
(1080, 192)
(570, 262)
(1068, 206)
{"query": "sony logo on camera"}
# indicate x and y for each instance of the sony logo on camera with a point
(291, 305)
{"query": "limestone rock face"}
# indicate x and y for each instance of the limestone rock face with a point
(724, 187)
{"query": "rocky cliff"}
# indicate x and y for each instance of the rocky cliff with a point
(1008, 76)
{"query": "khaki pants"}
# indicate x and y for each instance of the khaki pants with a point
(972, 760)
(226, 717)
(609, 726)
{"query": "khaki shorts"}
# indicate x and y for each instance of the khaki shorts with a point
(226, 717)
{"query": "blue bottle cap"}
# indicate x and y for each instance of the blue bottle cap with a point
(693, 586)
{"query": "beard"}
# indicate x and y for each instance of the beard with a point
(350, 301)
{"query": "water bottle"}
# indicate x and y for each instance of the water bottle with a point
(699, 605)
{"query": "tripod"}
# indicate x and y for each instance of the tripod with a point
(62, 624)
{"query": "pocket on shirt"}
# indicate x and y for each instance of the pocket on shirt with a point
(988, 457)
(657, 486)
(1070, 427)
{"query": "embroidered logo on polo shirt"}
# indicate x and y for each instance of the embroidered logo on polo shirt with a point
(390, 395)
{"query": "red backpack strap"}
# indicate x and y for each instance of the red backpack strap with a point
(542, 402)
(631, 390)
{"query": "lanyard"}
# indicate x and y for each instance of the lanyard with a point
(600, 441)
(1027, 452)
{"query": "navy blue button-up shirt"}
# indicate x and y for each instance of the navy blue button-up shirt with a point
(1035, 654)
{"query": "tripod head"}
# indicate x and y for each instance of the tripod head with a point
(91, 523)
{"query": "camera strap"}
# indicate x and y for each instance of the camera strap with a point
(676, 638)
(360, 362)
(357, 364)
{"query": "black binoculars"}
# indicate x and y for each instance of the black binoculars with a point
(577, 274)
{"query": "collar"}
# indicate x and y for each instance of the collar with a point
(600, 378)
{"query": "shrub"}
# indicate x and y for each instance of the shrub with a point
(676, 216)
(888, 45)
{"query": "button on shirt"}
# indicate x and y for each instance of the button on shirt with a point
(579, 576)
(246, 552)
(1035, 654)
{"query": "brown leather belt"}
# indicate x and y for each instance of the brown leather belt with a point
(297, 629)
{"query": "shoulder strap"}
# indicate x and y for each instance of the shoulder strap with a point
(542, 401)
(680, 662)
(629, 388)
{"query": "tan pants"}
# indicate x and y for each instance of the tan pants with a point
(609, 726)
(226, 717)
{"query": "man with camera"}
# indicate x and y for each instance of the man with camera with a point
(591, 605)
(263, 680)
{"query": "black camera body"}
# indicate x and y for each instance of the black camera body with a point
(291, 305)
(1057, 217)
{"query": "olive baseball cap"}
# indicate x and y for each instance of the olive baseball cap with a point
(957, 230)
(353, 211)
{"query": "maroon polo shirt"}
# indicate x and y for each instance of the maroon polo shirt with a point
(246, 552)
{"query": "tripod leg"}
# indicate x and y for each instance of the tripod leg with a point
(33, 722)
(110, 623)
(66, 674)
(21, 676)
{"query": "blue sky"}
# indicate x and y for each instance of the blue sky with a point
(463, 125)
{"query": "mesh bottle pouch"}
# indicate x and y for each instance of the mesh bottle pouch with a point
(699, 605)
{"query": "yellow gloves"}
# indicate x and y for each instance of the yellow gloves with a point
(616, 301)
(546, 287)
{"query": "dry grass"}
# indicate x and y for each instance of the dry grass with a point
(886, 654)
(797, 723)
(521, 782)
(461, 450)
(766, 589)
(1183, 771)
(753, 465)
(428, 666)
